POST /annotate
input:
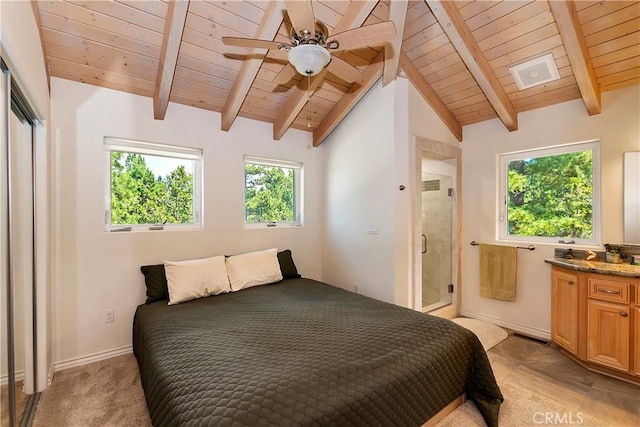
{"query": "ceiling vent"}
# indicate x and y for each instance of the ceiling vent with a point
(535, 72)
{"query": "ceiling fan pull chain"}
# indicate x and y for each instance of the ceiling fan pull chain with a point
(309, 101)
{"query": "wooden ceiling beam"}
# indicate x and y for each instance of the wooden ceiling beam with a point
(370, 76)
(296, 103)
(430, 95)
(354, 16)
(174, 26)
(267, 30)
(452, 23)
(397, 15)
(566, 17)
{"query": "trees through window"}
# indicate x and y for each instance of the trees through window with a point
(151, 184)
(551, 194)
(272, 191)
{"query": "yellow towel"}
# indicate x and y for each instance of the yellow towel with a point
(498, 272)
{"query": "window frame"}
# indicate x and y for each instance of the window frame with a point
(503, 162)
(112, 144)
(298, 191)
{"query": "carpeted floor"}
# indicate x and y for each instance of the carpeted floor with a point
(21, 402)
(102, 394)
(541, 387)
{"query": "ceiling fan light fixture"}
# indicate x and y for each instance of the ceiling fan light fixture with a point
(309, 59)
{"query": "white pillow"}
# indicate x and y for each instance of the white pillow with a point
(196, 278)
(253, 269)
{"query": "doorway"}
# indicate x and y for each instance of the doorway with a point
(436, 228)
(437, 233)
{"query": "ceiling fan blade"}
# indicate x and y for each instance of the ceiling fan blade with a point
(301, 15)
(344, 70)
(286, 74)
(357, 38)
(280, 54)
(251, 43)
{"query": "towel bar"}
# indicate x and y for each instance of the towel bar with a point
(530, 247)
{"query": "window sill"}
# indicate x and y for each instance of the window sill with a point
(263, 225)
(150, 229)
(554, 244)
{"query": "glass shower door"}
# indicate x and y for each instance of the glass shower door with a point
(437, 229)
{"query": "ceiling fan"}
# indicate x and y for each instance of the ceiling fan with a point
(311, 46)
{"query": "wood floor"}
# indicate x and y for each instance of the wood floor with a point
(548, 388)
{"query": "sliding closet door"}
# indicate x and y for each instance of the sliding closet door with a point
(22, 247)
(17, 278)
(20, 273)
(7, 399)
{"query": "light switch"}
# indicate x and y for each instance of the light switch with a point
(372, 229)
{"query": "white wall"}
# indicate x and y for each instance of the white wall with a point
(403, 153)
(425, 123)
(359, 192)
(99, 270)
(20, 47)
(617, 128)
(366, 160)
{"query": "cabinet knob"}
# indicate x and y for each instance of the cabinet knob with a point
(570, 282)
(624, 314)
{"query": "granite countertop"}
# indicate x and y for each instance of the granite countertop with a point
(600, 267)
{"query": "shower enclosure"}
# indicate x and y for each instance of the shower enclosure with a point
(437, 234)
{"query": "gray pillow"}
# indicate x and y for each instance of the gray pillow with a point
(287, 266)
(156, 282)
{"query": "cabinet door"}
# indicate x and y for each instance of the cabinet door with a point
(608, 334)
(564, 310)
(637, 337)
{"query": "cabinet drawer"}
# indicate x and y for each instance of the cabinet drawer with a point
(607, 290)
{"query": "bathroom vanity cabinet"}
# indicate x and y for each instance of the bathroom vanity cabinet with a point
(595, 316)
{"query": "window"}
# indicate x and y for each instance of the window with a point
(272, 192)
(152, 185)
(551, 195)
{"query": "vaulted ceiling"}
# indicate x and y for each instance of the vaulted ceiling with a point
(456, 54)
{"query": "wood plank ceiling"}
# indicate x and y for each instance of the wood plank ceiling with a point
(456, 54)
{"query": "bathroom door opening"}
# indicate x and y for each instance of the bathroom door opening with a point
(438, 225)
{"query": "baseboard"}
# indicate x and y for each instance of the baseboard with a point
(50, 375)
(4, 379)
(96, 357)
(523, 329)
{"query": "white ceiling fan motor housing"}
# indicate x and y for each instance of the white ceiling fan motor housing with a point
(309, 59)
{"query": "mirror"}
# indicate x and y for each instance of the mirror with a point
(17, 281)
(632, 198)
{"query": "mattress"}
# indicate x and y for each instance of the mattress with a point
(303, 353)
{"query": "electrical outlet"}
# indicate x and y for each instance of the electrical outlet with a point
(108, 315)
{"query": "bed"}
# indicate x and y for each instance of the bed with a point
(303, 353)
